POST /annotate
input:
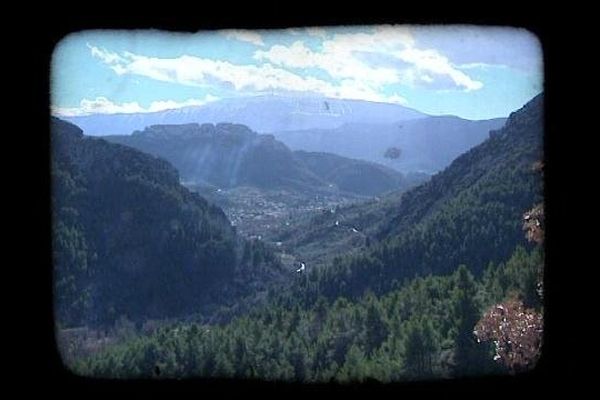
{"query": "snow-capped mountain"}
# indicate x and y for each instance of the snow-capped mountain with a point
(263, 114)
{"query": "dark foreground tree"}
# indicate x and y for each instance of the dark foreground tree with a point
(469, 358)
(421, 347)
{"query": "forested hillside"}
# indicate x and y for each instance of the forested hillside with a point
(324, 204)
(231, 155)
(422, 330)
(350, 175)
(130, 241)
(423, 144)
(470, 213)
(394, 311)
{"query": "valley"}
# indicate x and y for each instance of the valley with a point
(257, 213)
(261, 239)
(313, 205)
(300, 226)
(266, 189)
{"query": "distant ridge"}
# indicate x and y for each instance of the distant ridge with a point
(263, 114)
(426, 144)
(228, 155)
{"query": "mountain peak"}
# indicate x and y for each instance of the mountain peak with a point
(534, 109)
(263, 114)
(61, 127)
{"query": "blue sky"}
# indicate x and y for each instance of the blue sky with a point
(471, 72)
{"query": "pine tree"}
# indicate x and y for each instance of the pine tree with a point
(298, 358)
(240, 356)
(469, 357)
(353, 368)
(376, 328)
(224, 368)
(420, 347)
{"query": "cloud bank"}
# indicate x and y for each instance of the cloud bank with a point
(102, 105)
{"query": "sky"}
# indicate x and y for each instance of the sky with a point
(468, 71)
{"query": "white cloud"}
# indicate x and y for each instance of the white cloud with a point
(338, 55)
(480, 65)
(359, 65)
(355, 89)
(492, 46)
(170, 104)
(106, 56)
(433, 62)
(245, 36)
(196, 71)
(340, 58)
(102, 105)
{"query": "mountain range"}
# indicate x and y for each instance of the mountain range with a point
(106, 195)
(425, 145)
(468, 213)
(394, 291)
(350, 128)
(264, 114)
(230, 155)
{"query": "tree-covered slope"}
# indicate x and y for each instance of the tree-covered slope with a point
(231, 155)
(500, 170)
(223, 155)
(425, 144)
(422, 330)
(369, 315)
(468, 214)
(351, 175)
(318, 237)
(128, 239)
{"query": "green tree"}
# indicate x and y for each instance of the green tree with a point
(376, 327)
(469, 357)
(298, 358)
(354, 366)
(224, 367)
(420, 347)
